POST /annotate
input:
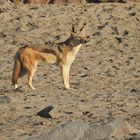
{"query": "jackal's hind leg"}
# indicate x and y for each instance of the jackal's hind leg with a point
(30, 77)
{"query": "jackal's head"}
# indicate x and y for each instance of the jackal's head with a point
(79, 40)
(78, 37)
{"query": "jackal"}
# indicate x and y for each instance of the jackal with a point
(63, 54)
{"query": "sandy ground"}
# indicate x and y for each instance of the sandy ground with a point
(105, 76)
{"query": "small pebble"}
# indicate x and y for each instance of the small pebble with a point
(43, 123)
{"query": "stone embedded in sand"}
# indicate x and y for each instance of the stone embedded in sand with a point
(42, 123)
(45, 112)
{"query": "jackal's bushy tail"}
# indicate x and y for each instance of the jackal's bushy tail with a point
(16, 70)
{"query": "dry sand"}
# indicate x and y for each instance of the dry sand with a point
(105, 76)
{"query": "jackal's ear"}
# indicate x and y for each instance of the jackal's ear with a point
(79, 32)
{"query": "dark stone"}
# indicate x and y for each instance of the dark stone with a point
(45, 112)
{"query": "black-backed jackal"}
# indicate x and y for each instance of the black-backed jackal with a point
(27, 58)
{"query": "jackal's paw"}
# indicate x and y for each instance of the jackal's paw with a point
(33, 88)
(67, 88)
(70, 88)
(15, 86)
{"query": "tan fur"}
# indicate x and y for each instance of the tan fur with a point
(38, 1)
(28, 57)
(65, 67)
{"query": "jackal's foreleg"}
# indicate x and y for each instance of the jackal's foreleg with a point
(65, 69)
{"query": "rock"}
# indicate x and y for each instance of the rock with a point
(42, 123)
(117, 129)
(45, 112)
(70, 131)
